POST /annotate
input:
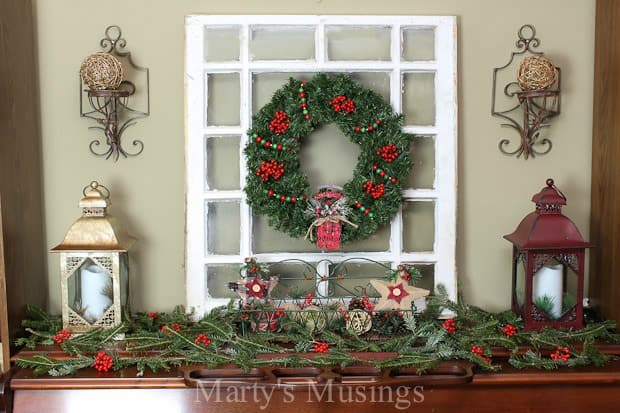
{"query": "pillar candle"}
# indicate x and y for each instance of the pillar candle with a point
(548, 282)
(95, 283)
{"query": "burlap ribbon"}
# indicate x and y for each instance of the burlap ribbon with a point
(320, 221)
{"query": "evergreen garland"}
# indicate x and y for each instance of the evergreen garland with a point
(277, 188)
(159, 341)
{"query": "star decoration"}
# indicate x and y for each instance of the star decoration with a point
(256, 289)
(250, 289)
(397, 295)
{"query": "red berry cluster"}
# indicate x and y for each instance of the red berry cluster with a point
(267, 144)
(449, 325)
(342, 103)
(302, 100)
(561, 354)
(382, 174)
(153, 315)
(308, 300)
(61, 336)
(174, 326)
(405, 276)
(202, 339)
(280, 123)
(321, 347)
(477, 350)
(388, 152)
(283, 198)
(367, 305)
(103, 362)
(509, 330)
(368, 128)
(280, 311)
(365, 210)
(270, 169)
(374, 190)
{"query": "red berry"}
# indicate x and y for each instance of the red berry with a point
(202, 339)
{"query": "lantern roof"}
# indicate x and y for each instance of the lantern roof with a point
(95, 230)
(547, 227)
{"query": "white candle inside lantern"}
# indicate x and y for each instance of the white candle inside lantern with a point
(96, 285)
(548, 282)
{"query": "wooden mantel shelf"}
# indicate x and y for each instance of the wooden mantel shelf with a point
(580, 390)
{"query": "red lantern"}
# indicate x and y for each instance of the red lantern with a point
(548, 265)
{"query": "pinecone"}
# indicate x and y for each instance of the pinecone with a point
(356, 304)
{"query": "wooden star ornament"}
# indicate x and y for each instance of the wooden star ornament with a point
(397, 294)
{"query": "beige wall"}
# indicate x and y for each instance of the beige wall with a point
(148, 191)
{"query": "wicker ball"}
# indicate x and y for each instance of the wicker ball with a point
(536, 73)
(102, 71)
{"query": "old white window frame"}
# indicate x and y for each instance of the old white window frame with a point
(444, 193)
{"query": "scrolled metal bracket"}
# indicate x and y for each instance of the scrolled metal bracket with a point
(529, 110)
(110, 108)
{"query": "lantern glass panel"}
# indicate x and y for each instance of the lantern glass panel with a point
(90, 291)
(571, 290)
(548, 289)
(519, 286)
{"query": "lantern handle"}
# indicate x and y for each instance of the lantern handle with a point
(551, 184)
(94, 185)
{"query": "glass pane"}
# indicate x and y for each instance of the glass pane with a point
(223, 223)
(419, 98)
(222, 154)
(358, 43)
(328, 157)
(427, 271)
(379, 241)
(286, 43)
(422, 153)
(266, 239)
(418, 226)
(90, 291)
(222, 44)
(570, 293)
(419, 43)
(352, 279)
(376, 81)
(520, 281)
(223, 99)
(264, 86)
(218, 277)
(296, 279)
(547, 287)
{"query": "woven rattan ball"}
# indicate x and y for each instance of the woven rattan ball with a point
(101, 71)
(536, 73)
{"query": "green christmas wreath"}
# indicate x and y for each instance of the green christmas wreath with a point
(278, 189)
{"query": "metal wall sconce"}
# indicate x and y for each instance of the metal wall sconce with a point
(108, 95)
(532, 100)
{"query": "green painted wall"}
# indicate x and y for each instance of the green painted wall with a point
(148, 191)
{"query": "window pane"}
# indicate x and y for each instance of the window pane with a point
(328, 157)
(296, 279)
(353, 279)
(264, 86)
(379, 241)
(222, 154)
(223, 99)
(266, 239)
(422, 153)
(272, 43)
(358, 43)
(427, 271)
(419, 98)
(377, 81)
(419, 44)
(418, 226)
(223, 225)
(222, 44)
(218, 277)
